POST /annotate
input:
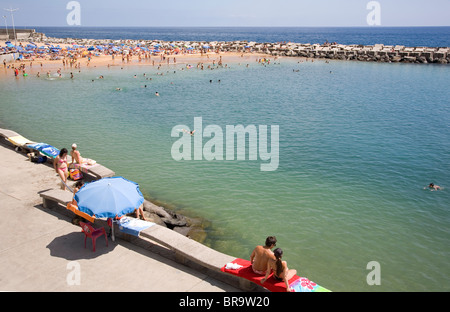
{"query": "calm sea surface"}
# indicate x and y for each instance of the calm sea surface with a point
(358, 144)
(408, 36)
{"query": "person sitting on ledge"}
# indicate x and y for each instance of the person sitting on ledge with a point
(262, 254)
(76, 157)
(280, 269)
(138, 212)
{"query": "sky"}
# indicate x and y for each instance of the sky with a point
(227, 13)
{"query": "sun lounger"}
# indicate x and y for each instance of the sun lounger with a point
(16, 139)
(8, 133)
(19, 141)
(243, 269)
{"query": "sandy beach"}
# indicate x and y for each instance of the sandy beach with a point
(41, 64)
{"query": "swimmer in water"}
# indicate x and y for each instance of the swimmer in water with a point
(434, 187)
(156, 93)
(187, 131)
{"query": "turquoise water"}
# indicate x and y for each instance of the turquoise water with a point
(358, 143)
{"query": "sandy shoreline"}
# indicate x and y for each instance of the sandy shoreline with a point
(42, 65)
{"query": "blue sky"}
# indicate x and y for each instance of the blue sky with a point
(227, 12)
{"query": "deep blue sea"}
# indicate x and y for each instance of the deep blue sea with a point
(358, 143)
(407, 36)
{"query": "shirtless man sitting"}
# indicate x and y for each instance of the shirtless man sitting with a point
(261, 255)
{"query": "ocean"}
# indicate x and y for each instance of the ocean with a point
(358, 143)
(407, 36)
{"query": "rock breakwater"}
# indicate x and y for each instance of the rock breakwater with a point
(334, 51)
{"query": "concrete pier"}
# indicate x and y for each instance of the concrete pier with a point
(21, 34)
(42, 251)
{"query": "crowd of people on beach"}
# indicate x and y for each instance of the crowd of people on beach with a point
(70, 53)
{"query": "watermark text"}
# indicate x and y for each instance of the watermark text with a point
(236, 138)
(374, 16)
(74, 16)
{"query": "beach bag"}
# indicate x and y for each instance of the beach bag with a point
(38, 159)
(75, 174)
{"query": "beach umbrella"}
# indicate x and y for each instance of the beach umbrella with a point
(109, 197)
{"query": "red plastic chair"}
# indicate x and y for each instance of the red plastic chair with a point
(89, 231)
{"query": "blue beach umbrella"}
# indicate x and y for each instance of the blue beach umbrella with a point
(109, 197)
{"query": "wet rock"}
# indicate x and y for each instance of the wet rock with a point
(152, 208)
(183, 230)
(175, 221)
(152, 217)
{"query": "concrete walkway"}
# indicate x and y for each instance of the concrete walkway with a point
(41, 250)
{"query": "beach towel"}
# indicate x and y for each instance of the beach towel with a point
(45, 149)
(243, 268)
(84, 168)
(133, 226)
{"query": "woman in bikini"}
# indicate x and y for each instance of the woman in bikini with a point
(280, 269)
(60, 165)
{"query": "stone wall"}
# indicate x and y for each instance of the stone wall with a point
(21, 34)
(8, 57)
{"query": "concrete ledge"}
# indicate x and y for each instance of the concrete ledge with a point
(165, 242)
(51, 198)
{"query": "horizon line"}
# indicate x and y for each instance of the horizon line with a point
(360, 26)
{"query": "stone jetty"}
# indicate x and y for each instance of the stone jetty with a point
(330, 51)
